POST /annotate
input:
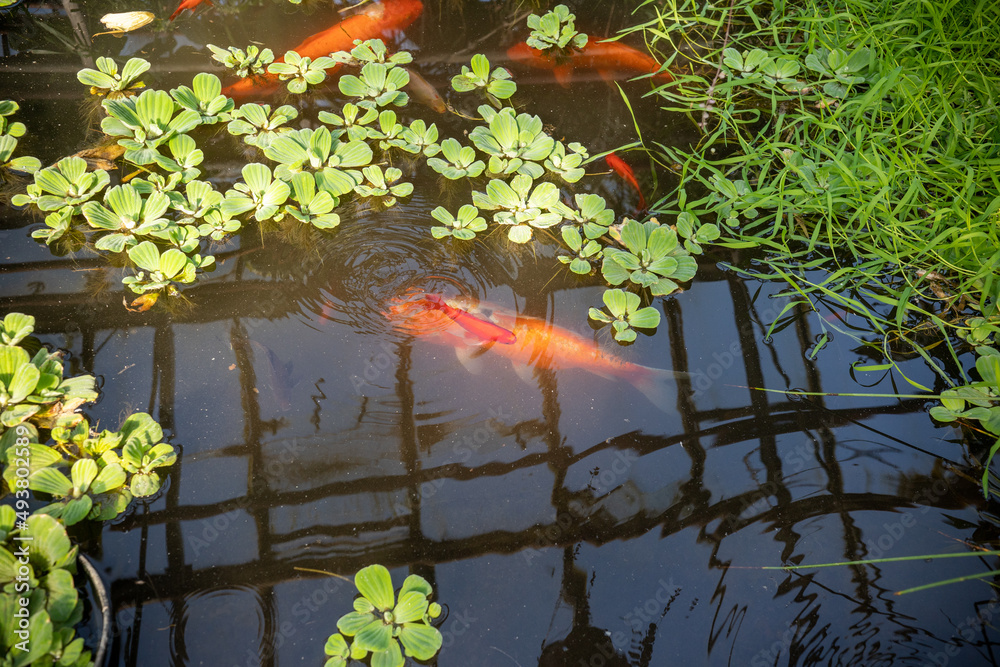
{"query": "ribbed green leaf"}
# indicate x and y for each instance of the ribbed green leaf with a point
(111, 477)
(172, 262)
(146, 256)
(50, 480)
(374, 583)
(411, 607)
(374, 637)
(83, 473)
(420, 640)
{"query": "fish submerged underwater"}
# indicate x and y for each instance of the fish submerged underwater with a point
(536, 343)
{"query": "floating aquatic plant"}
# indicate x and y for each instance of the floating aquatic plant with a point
(130, 216)
(460, 161)
(107, 81)
(54, 606)
(695, 234)
(388, 132)
(515, 144)
(625, 314)
(9, 133)
(205, 97)
(317, 150)
(186, 157)
(567, 165)
(653, 258)
(379, 85)
(463, 226)
(371, 51)
(496, 85)
(301, 72)
(846, 70)
(258, 125)
(383, 184)
(521, 207)
(356, 128)
(584, 252)
(67, 184)
(252, 62)
(315, 205)
(259, 192)
(147, 122)
(555, 30)
(592, 213)
(419, 138)
(381, 622)
(165, 268)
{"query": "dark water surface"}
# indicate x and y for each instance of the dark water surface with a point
(562, 521)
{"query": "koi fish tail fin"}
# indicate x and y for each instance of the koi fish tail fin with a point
(659, 386)
(642, 201)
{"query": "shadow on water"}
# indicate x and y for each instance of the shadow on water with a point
(560, 517)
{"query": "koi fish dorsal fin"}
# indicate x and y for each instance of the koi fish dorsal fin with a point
(564, 75)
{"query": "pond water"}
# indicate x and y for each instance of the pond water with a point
(562, 518)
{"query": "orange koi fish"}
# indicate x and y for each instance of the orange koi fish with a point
(622, 169)
(605, 57)
(536, 343)
(482, 329)
(380, 19)
(187, 4)
(423, 92)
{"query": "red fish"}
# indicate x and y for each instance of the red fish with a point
(605, 57)
(482, 329)
(622, 169)
(187, 4)
(537, 343)
(380, 19)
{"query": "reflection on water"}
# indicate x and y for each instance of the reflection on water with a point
(560, 516)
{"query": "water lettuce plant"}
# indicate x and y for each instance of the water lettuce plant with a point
(147, 122)
(384, 625)
(652, 258)
(355, 127)
(317, 150)
(520, 206)
(515, 144)
(555, 29)
(53, 604)
(130, 216)
(258, 125)
(583, 252)
(496, 84)
(462, 226)
(459, 161)
(625, 314)
(67, 184)
(378, 85)
(383, 185)
(9, 134)
(301, 72)
(107, 81)
(253, 61)
(204, 97)
(259, 192)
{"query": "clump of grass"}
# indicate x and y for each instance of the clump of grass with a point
(857, 137)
